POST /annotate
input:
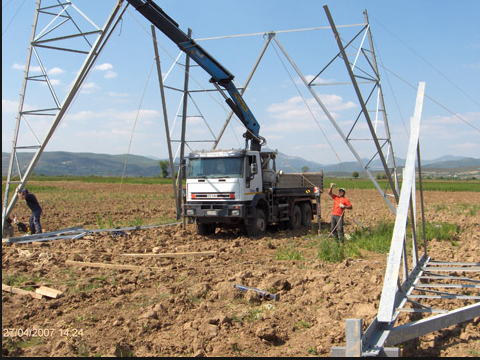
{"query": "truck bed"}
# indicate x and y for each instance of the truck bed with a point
(299, 180)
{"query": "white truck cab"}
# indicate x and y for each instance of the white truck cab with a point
(220, 183)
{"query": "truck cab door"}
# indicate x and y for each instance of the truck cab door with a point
(253, 180)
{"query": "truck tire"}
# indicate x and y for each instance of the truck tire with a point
(296, 218)
(306, 211)
(205, 229)
(258, 227)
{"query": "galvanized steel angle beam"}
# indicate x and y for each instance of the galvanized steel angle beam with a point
(387, 301)
(76, 232)
(68, 233)
(428, 325)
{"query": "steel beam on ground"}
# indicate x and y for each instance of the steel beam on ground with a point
(438, 322)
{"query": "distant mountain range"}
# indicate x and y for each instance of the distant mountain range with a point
(59, 163)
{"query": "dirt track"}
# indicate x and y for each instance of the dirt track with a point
(188, 306)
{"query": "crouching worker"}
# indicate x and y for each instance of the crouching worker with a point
(32, 202)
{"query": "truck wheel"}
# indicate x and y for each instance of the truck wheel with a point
(306, 211)
(205, 229)
(296, 218)
(258, 227)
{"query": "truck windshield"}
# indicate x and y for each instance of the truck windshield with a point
(215, 167)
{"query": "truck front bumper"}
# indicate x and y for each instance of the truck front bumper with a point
(215, 212)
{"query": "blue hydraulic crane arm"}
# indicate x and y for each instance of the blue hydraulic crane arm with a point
(221, 76)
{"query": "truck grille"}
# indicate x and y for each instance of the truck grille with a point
(213, 196)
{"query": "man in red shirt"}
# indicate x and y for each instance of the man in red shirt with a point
(340, 203)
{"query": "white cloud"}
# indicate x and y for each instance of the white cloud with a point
(295, 109)
(56, 71)
(89, 87)
(17, 66)
(467, 146)
(117, 95)
(104, 67)
(110, 75)
(108, 69)
(441, 126)
(55, 82)
(113, 115)
(193, 120)
(474, 65)
(292, 109)
(9, 106)
(318, 80)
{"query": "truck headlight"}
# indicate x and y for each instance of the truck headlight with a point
(190, 212)
(235, 212)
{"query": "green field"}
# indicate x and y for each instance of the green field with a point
(428, 185)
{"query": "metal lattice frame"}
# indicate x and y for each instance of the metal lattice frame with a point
(407, 288)
(418, 286)
(389, 168)
(58, 15)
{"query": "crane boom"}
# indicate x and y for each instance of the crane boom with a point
(220, 75)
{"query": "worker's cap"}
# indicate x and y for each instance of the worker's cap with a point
(342, 189)
(24, 192)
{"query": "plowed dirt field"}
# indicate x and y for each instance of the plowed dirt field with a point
(187, 305)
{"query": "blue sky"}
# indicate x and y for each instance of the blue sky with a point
(119, 108)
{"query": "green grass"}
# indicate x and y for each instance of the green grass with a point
(289, 253)
(459, 209)
(301, 325)
(377, 239)
(14, 280)
(442, 232)
(101, 179)
(347, 183)
(330, 250)
(428, 185)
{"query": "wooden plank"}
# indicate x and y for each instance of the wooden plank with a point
(110, 266)
(172, 255)
(13, 290)
(48, 292)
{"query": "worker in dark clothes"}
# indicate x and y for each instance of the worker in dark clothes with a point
(32, 202)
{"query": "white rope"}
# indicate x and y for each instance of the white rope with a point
(276, 32)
